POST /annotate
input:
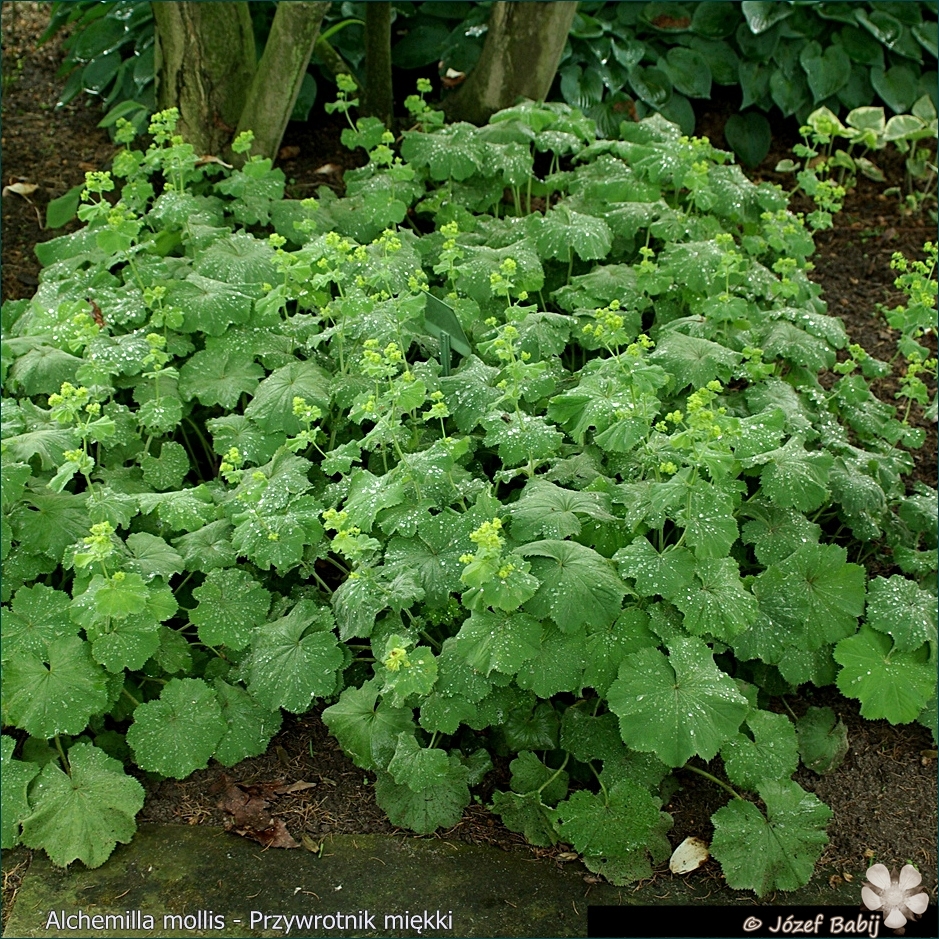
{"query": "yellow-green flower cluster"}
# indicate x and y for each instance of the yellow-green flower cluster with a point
(488, 542)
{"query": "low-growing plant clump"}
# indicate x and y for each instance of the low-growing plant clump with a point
(243, 473)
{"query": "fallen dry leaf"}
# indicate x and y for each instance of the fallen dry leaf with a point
(288, 153)
(212, 159)
(248, 807)
(294, 787)
(20, 189)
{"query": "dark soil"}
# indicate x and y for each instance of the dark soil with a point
(884, 794)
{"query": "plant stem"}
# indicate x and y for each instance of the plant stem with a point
(714, 779)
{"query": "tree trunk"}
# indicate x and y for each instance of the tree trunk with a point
(521, 54)
(205, 60)
(378, 101)
(280, 72)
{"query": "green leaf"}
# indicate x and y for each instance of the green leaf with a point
(652, 85)
(521, 438)
(777, 851)
(662, 574)
(827, 70)
(500, 642)
(41, 371)
(369, 494)
(365, 593)
(55, 692)
(208, 548)
(434, 554)
(272, 405)
(529, 774)
(716, 603)
(578, 586)
(823, 740)
(219, 377)
(209, 306)
(416, 675)
(558, 664)
(152, 557)
(526, 814)
(891, 684)
(183, 510)
(814, 593)
(898, 607)
(16, 775)
(608, 824)
(749, 136)
(177, 733)
(561, 229)
(793, 477)
(250, 726)
(168, 470)
(776, 533)
(418, 767)
(607, 647)
(688, 70)
(363, 727)
(82, 816)
(549, 511)
(425, 810)
(470, 392)
(676, 706)
(528, 728)
(708, 519)
(238, 258)
(231, 604)
(295, 659)
(50, 522)
(693, 361)
(771, 754)
(38, 616)
(587, 737)
(761, 15)
(454, 151)
(897, 86)
(119, 596)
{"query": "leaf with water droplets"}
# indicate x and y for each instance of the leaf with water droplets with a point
(776, 851)
(891, 684)
(250, 725)
(438, 805)
(295, 659)
(83, 815)
(55, 692)
(177, 733)
(771, 754)
(39, 615)
(231, 603)
(677, 706)
(898, 607)
(365, 726)
(17, 775)
(578, 586)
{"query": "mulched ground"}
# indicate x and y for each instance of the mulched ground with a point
(884, 794)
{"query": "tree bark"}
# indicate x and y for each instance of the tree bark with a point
(378, 100)
(280, 72)
(520, 56)
(205, 61)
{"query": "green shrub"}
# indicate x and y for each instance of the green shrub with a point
(241, 475)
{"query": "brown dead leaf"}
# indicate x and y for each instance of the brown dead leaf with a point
(328, 169)
(294, 787)
(212, 159)
(288, 153)
(248, 807)
(88, 167)
(848, 877)
(835, 880)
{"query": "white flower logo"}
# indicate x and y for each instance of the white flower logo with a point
(900, 899)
